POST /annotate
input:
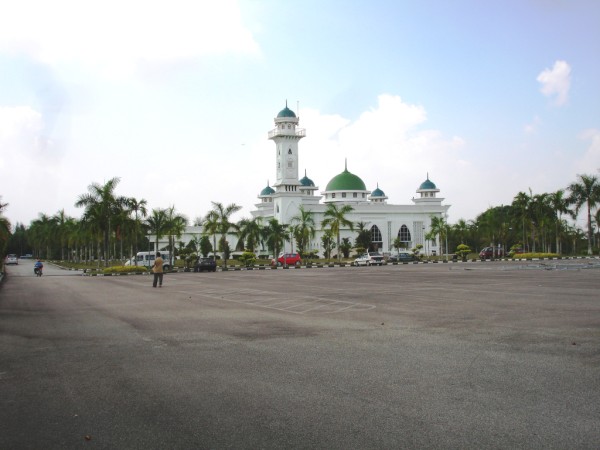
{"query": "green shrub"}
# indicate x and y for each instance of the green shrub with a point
(247, 258)
(535, 255)
(124, 270)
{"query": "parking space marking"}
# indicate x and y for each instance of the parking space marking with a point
(298, 305)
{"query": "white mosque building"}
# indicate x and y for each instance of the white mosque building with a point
(386, 221)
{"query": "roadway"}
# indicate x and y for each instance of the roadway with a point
(483, 355)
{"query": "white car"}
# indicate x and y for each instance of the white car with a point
(12, 259)
(363, 260)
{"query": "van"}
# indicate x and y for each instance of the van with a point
(147, 259)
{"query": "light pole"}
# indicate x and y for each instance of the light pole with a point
(446, 232)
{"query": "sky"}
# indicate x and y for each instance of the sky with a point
(176, 98)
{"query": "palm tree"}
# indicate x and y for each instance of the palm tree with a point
(107, 205)
(461, 228)
(174, 228)
(437, 228)
(157, 223)
(137, 207)
(210, 225)
(363, 238)
(275, 235)
(587, 192)
(250, 233)
(520, 206)
(305, 228)
(558, 203)
(221, 216)
(335, 219)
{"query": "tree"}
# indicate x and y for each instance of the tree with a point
(157, 223)
(305, 228)
(520, 210)
(439, 228)
(249, 233)
(210, 226)
(335, 219)
(328, 244)
(275, 235)
(138, 208)
(397, 244)
(363, 238)
(105, 205)
(174, 228)
(345, 247)
(585, 192)
(558, 203)
(222, 215)
(4, 228)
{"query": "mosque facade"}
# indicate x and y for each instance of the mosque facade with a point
(386, 221)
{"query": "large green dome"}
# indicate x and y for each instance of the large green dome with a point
(346, 181)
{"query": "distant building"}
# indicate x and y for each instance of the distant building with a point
(386, 221)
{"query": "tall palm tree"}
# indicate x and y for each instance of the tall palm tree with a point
(335, 219)
(305, 228)
(558, 203)
(210, 226)
(174, 228)
(107, 205)
(275, 235)
(223, 215)
(461, 228)
(138, 208)
(585, 192)
(520, 206)
(157, 223)
(437, 230)
(363, 238)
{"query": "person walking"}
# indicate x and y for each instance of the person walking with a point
(157, 269)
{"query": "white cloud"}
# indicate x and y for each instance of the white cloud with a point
(117, 35)
(590, 161)
(556, 82)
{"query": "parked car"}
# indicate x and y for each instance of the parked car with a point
(402, 257)
(290, 259)
(208, 264)
(491, 252)
(369, 259)
(12, 259)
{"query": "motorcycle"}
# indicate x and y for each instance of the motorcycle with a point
(37, 271)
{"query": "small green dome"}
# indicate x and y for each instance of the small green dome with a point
(307, 182)
(267, 191)
(427, 184)
(377, 193)
(286, 112)
(346, 181)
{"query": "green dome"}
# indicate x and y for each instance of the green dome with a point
(267, 191)
(377, 193)
(346, 181)
(286, 112)
(305, 181)
(427, 184)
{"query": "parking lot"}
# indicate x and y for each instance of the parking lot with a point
(476, 355)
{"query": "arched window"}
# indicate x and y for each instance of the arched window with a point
(376, 239)
(404, 234)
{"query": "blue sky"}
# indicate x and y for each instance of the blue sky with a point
(176, 98)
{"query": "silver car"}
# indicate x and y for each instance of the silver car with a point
(12, 259)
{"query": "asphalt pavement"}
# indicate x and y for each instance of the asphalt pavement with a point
(448, 356)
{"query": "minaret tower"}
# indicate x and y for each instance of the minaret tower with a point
(286, 137)
(288, 196)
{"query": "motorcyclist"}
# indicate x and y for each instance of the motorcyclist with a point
(38, 266)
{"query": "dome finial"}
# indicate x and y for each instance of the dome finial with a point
(345, 164)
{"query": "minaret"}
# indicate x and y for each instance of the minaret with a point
(287, 196)
(286, 137)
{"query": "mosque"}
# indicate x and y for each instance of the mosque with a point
(386, 221)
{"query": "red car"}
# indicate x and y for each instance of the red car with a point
(290, 259)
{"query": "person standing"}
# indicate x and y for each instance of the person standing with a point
(157, 269)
